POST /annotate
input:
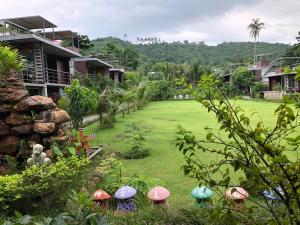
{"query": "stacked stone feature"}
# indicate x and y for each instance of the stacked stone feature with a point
(28, 120)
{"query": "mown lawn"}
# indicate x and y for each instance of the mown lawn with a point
(165, 160)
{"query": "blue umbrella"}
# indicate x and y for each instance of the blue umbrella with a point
(125, 192)
(202, 192)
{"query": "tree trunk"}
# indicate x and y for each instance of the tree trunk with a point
(254, 57)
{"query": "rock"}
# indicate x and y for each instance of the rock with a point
(5, 108)
(44, 128)
(12, 94)
(23, 129)
(4, 130)
(36, 103)
(45, 117)
(17, 119)
(61, 116)
(9, 144)
(47, 103)
(60, 139)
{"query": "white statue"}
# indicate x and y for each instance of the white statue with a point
(38, 157)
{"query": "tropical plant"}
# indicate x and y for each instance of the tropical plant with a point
(260, 154)
(82, 100)
(136, 136)
(10, 61)
(81, 210)
(254, 28)
(104, 107)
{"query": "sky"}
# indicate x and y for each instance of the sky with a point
(211, 21)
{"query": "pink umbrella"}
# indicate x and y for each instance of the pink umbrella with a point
(237, 193)
(158, 195)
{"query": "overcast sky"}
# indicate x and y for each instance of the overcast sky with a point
(212, 21)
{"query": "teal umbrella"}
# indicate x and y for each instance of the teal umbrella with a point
(202, 193)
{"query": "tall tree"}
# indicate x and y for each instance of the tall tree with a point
(255, 28)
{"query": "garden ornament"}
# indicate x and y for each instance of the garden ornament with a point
(38, 157)
(202, 195)
(101, 198)
(272, 198)
(125, 196)
(159, 195)
(238, 195)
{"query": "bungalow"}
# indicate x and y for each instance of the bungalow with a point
(117, 75)
(281, 83)
(48, 65)
(91, 66)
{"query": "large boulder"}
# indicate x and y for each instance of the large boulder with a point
(5, 108)
(35, 103)
(55, 116)
(4, 130)
(61, 116)
(9, 144)
(25, 129)
(44, 128)
(15, 119)
(12, 94)
(47, 103)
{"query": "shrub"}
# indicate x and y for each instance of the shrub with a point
(136, 135)
(64, 103)
(258, 88)
(291, 98)
(10, 60)
(40, 184)
(82, 101)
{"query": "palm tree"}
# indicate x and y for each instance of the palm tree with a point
(255, 28)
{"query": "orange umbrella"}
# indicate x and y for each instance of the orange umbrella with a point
(101, 195)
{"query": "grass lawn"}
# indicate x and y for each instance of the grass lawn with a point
(165, 160)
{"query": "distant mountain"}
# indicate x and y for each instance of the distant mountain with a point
(228, 52)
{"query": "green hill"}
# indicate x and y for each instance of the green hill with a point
(229, 52)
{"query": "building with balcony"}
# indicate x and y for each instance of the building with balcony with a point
(48, 64)
(91, 66)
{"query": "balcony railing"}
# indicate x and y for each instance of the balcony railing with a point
(28, 75)
(57, 77)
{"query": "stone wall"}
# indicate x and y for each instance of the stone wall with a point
(273, 95)
(26, 120)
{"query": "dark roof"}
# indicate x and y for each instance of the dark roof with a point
(93, 61)
(31, 22)
(61, 35)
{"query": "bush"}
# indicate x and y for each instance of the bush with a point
(136, 136)
(64, 103)
(258, 88)
(160, 90)
(291, 98)
(40, 184)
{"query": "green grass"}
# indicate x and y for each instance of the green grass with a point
(165, 160)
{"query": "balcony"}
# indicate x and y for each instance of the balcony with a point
(49, 76)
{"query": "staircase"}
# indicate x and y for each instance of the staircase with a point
(38, 59)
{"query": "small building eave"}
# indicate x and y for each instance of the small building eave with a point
(94, 61)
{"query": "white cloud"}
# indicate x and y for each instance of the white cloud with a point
(210, 21)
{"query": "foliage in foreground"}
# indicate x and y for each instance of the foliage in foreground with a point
(40, 183)
(261, 154)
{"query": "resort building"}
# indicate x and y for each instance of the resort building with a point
(117, 75)
(48, 63)
(91, 66)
